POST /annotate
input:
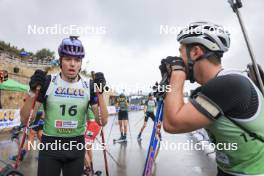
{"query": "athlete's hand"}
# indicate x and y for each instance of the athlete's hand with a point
(99, 81)
(3, 76)
(15, 131)
(171, 63)
(37, 79)
(155, 89)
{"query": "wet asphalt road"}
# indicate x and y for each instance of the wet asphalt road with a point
(171, 161)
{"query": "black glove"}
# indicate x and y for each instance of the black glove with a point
(37, 79)
(171, 63)
(159, 90)
(15, 131)
(99, 81)
(93, 97)
(155, 89)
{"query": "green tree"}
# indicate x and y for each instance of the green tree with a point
(44, 53)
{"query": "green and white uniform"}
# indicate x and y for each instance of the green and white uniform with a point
(151, 104)
(233, 95)
(66, 107)
(123, 108)
(122, 104)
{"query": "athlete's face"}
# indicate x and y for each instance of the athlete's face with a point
(194, 53)
(70, 66)
(183, 54)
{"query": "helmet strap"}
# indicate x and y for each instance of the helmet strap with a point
(190, 65)
(204, 56)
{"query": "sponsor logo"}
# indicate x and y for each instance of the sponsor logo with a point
(62, 91)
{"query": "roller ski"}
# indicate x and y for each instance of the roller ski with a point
(22, 156)
(90, 172)
(119, 141)
(122, 139)
(9, 170)
(98, 173)
(139, 138)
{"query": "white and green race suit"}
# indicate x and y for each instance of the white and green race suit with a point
(150, 104)
(232, 95)
(66, 107)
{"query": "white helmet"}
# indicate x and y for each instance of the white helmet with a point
(210, 35)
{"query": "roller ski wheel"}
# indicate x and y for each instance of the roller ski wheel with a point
(98, 173)
(119, 141)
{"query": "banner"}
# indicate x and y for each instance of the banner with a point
(9, 118)
(114, 110)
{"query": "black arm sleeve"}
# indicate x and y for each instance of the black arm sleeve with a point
(233, 95)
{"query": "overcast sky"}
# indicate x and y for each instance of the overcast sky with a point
(126, 42)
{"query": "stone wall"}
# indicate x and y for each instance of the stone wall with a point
(26, 69)
(11, 99)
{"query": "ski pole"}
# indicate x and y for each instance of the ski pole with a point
(102, 131)
(153, 142)
(111, 156)
(129, 130)
(139, 121)
(154, 145)
(235, 5)
(111, 129)
(25, 130)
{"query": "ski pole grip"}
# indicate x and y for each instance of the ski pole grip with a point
(93, 77)
(239, 4)
(235, 4)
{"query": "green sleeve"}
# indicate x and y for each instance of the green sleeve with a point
(90, 114)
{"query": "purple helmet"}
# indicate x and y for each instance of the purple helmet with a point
(71, 47)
